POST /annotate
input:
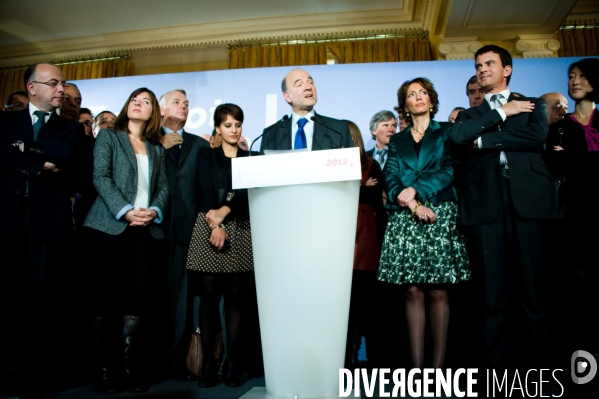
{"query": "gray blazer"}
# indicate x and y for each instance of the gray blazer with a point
(115, 179)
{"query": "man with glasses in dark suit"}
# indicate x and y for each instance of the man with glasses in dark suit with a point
(36, 147)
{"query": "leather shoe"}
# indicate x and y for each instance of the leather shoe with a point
(231, 374)
(209, 373)
(106, 383)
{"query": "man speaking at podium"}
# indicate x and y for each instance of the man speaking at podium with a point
(305, 129)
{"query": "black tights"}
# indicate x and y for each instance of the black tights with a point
(234, 288)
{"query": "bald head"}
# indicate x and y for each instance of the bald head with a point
(299, 91)
(45, 86)
(557, 106)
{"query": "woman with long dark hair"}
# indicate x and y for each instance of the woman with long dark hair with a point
(130, 177)
(220, 253)
(423, 249)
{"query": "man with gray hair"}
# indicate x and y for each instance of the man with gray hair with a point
(383, 125)
(557, 106)
(182, 155)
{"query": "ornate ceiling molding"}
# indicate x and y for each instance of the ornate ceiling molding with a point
(459, 48)
(537, 46)
(350, 23)
(581, 20)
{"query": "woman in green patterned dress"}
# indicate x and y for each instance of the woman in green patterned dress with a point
(422, 248)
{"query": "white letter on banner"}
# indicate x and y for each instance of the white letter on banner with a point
(343, 392)
(270, 114)
(198, 113)
(369, 385)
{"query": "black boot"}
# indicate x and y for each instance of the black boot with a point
(231, 373)
(209, 372)
(105, 379)
(135, 380)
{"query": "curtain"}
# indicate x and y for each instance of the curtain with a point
(12, 79)
(578, 42)
(379, 50)
(281, 55)
(383, 50)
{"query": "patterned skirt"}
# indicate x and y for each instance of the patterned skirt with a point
(235, 257)
(424, 253)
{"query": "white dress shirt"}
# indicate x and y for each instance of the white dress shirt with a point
(505, 94)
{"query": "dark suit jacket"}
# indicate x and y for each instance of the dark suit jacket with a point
(370, 153)
(575, 163)
(329, 134)
(180, 215)
(373, 196)
(431, 173)
(115, 179)
(49, 192)
(213, 181)
(521, 137)
(82, 174)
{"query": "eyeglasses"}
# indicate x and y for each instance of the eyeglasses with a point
(14, 105)
(52, 83)
(87, 123)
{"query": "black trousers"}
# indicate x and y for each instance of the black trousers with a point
(122, 272)
(35, 295)
(179, 301)
(506, 257)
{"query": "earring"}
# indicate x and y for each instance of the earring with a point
(407, 114)
(430, 109)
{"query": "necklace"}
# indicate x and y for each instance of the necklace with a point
(420, 134)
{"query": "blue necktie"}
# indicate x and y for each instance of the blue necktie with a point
(382, 156)
(300, 135)
(41, 121)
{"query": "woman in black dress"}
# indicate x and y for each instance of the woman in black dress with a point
(220, 252)
(573, 157)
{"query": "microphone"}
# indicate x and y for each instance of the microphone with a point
(330, 128)
(284, 118)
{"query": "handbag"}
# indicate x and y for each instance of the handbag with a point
(194, 359)
(194, 354)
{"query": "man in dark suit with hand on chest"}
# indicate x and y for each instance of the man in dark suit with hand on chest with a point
(507, 196)
(182, 152)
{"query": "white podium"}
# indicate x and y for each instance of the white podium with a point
(303, 209)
